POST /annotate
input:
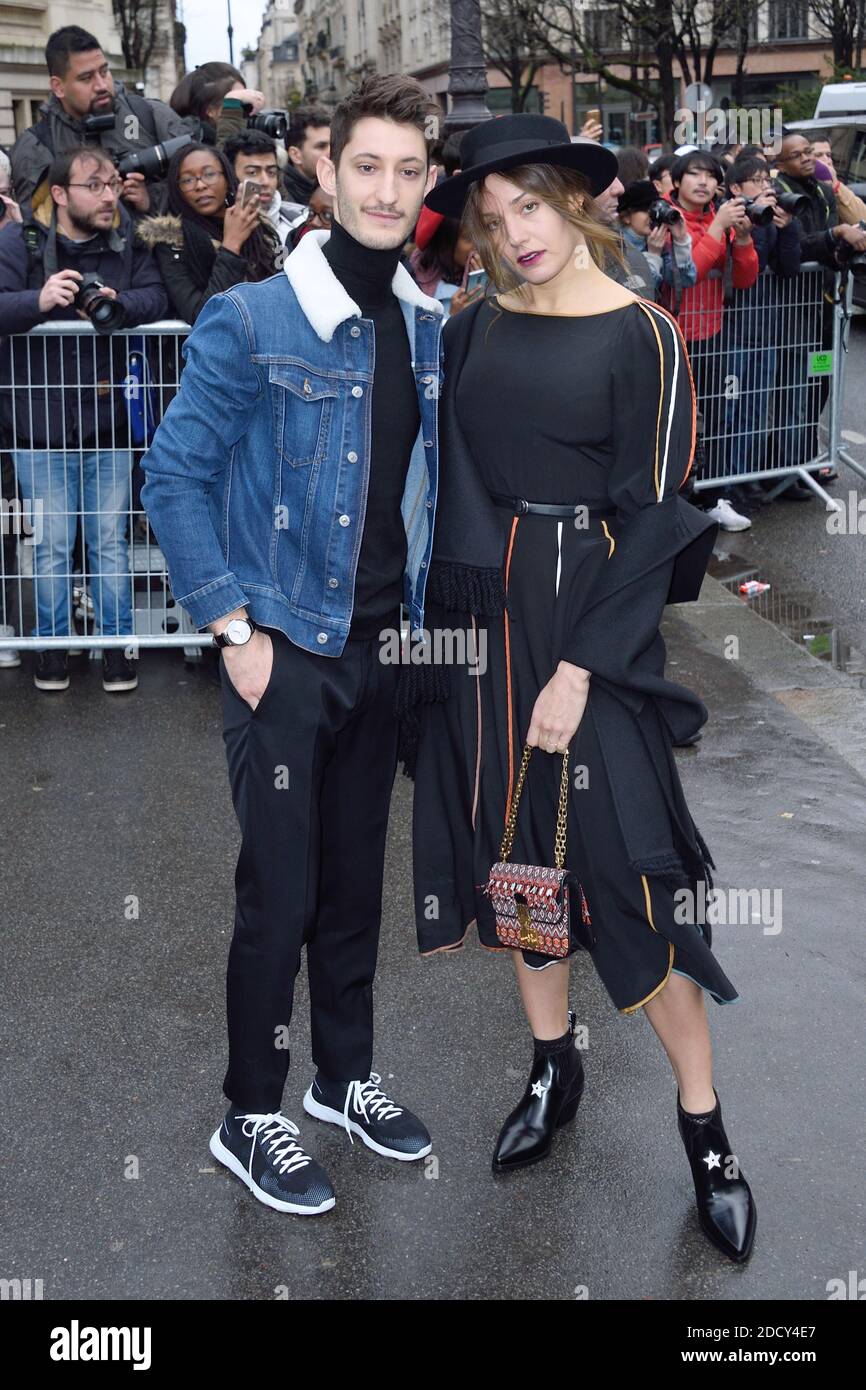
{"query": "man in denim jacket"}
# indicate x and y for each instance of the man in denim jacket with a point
(292, 485)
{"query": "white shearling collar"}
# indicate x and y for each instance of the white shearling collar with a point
(322, 297)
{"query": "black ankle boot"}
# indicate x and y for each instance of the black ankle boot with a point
(550, 1100)
(726, 1207)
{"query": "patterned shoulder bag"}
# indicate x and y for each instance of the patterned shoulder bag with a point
(533, 904)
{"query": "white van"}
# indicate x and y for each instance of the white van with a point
(842, 99)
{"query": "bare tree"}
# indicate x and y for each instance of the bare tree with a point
(643, 35)
(842, 22)
(138, 28)
(511, 40)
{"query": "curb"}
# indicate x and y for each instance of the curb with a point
(831, 703)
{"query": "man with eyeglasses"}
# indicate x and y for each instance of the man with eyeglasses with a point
(63, 402)
(87, 106)
(822, 238)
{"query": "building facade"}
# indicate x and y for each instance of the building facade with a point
(275, 67)
(25, 26)
(342, 40)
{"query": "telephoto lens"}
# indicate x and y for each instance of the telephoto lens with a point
(795, 203)
(153, 161)
(106, 315)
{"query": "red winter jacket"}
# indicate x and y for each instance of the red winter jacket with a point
(701, 306)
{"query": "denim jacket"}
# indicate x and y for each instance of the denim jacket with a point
(257, 476)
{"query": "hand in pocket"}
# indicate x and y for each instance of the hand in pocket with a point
(249, 667)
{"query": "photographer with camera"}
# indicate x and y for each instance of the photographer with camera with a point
(63, 404)
(655, 227)
(307, 138)
(726, 260)
(833, 244)
(87, 107)
(213, 236)
(754, 325)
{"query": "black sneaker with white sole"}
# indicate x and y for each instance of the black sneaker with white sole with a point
(52, 670)
(363, 1109)
(262, 1150)
(118, 672)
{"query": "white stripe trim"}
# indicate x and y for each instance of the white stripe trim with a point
(674, 335)
(558, 554)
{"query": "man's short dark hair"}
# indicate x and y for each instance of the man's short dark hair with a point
(658, 166)
(697, 159)
(249, 142)
(745, 168)
(63, 43)
(300, 121)
(60, 171)
(391, 97)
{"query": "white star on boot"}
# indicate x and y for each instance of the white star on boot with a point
(538, 1089)
(712, 1161)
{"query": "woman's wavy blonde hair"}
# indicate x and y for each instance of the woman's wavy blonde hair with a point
(557, 185)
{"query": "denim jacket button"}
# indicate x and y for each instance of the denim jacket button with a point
(345, 520)
(355, 332)
(428, 443)
(429, 502)
(322, 638)
(352, 456)
(357, 391)
(307, 387)
(332, 583)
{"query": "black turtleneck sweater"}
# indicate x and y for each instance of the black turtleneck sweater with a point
(366, 275)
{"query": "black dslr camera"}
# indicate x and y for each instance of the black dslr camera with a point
(849, 259)
(106, 315)
(273, 123)
(759, 217)
(663, 214)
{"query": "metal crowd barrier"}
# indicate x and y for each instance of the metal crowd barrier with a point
(80, 567)
(766, 382)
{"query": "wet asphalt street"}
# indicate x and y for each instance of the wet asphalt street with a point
(789, 543)
(118, 845)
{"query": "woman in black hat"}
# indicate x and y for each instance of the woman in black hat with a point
(567, 429)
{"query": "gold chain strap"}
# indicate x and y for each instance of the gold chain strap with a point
(562, 812)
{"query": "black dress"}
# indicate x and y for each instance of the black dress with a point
(595, 409)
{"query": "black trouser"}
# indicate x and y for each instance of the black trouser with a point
(311, 771)
(708, 358)
(8, 541)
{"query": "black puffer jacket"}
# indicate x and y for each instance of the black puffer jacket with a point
(192, 274)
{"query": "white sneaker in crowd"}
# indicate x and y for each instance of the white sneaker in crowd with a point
(9, 657)
(728, 519)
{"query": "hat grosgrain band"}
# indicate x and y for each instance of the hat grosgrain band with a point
(504, 142)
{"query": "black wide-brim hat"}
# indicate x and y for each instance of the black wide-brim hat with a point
(506, 141)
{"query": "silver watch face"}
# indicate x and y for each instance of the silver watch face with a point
(238, 632)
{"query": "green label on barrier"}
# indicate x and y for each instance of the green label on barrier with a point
(820, 363)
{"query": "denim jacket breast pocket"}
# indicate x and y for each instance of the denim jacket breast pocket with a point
(304, 405)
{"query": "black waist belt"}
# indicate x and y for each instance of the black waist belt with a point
(519, 506)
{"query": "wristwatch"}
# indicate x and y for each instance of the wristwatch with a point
(236, 634)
